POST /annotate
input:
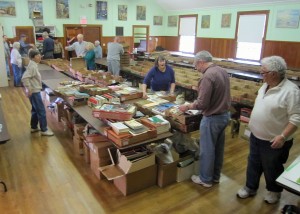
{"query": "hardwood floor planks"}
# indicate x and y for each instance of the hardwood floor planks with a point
(44, 176)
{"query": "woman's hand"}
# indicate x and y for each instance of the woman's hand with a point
(145, 96)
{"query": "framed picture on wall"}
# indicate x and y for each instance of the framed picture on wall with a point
(157, 20)
(62, 9)
(101, 10)
(119, 31)
(35, 7)
(287, 18)
(8, 8)
(172, 21)
(122, 12)
(226, 20)
(141, 13)
(205, 21)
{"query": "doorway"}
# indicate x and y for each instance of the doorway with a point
(91, 33)
(140, 37)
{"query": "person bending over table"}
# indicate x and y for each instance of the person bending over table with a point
(160, 77)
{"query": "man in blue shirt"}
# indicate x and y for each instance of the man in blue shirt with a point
(160, 77)
(24, 47)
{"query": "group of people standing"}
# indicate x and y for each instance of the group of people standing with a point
(274, 120)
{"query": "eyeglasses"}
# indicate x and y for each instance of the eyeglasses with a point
(263, 73)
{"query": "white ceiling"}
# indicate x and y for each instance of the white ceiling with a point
(200, 4)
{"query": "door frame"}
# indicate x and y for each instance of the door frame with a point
(147, 34)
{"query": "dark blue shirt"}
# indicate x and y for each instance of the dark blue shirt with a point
(48, 45)
(160, 81)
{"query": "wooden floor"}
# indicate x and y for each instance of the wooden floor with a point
(44, 176)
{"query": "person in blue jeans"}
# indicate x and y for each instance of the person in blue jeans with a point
(274, 120)
(33, 85)
(16, 64)
(214, 101)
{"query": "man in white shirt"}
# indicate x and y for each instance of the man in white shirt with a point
(273, 122)
(114, 50)
(78, 46)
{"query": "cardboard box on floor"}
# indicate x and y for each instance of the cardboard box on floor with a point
(186, 172)
(99, 157)
(167, 173)
(78, 145)
(130, 177)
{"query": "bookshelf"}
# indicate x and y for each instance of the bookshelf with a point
(38, 33)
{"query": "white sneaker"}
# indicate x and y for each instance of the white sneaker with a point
(35, 130)
(272, 197)
(245, 192)
(47, 133)
(196, 179)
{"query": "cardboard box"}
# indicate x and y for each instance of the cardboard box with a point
(78, 145)
(78, 130)
(86, 152)
(128, 139)
(136, 181)
(99, 157)
(244, 131)
(129, 176)
(167, 173)
(185, 172)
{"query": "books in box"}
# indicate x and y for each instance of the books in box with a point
(125, 139)
(115, 111)
(158, 122)
(160, 109)
(119, 127)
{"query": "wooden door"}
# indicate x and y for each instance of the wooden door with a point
(91, 34)
(28, 31)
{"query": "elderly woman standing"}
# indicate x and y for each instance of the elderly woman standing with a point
(90, 56)
(16, 63)
(274, 120)
(33, 84)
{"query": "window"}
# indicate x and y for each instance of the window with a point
(187, 33)
(250, 35)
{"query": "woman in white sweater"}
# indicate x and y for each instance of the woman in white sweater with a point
(16, 63)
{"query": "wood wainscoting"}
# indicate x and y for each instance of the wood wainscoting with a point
(225, 48)
(290, 51)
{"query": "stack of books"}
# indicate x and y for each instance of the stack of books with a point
(136, 128)
(119, 128)
(158, 122)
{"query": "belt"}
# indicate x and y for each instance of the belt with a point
(215, 114)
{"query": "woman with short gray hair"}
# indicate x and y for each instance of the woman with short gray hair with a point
(273, 122)
(16, 63)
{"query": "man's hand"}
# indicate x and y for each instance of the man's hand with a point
(277, 142)
(184, 108)
(28, 92)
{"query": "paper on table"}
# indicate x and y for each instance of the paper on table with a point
(292, 173)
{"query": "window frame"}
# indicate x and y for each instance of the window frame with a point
(264, 12)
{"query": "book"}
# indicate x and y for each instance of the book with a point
(119, 127)
(160, 109)
(133, 124)
(142, 130)
(158, 122)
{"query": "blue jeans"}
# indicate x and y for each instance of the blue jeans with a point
(7, 67)
(264, 159)
(17, 74)
(212, 140)
(38, 112)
